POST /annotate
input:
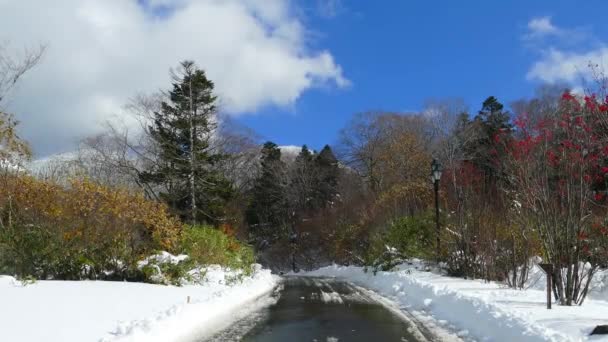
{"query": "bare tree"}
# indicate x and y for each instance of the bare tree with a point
(14, 66)
(360, 143)
(443, 115)
(368, 134)
(241, 146)
(544, 105)
(13, 150)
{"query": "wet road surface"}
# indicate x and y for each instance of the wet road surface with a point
(323, 310)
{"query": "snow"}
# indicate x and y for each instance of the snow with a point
(598, 289)
(331, 297)
(290, 152)
(482, 311)
(163, 258)
(54, 159)
(83, 311)
(290, 149)
(167, 258)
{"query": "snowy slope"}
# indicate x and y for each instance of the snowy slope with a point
(41, 163)
(482, 311)
(83, 311)
(289, 153)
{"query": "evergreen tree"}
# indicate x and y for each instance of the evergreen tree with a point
(305, 156)
(267, 211)
(495, 120)
(492, 126)
(303, 181)
(184, 165)
(327, 173)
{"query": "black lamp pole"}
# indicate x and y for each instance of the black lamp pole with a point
(435, 177)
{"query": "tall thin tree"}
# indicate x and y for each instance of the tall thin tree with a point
(185, 163)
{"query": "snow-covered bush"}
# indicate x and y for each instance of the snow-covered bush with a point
(13, 150)
(165, 268)
(387, 260)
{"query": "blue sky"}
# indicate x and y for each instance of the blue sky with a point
(399, 55)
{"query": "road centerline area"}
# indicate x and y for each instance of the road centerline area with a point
(325, 309)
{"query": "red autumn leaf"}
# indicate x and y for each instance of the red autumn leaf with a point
(568, 97)
(582, 236)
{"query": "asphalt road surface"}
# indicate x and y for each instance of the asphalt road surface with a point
(324, 310)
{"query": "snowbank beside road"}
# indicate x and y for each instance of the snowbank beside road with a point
(598, 288)
(82, 311)
(482, 311)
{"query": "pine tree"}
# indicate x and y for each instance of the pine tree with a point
(494, 119)
(327, 173)
(184, 165)
(492, 126)
(303, 181)
(268, 209)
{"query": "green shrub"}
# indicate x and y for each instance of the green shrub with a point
(167, 273)
(210, 246)
(412, 235)
(405, 237)
(350, 242)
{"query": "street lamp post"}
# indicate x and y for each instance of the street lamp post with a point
(293, 240)
(435, 177)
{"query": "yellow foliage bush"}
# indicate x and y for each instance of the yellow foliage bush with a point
(95, 229)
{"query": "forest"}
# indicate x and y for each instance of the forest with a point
(519, 182)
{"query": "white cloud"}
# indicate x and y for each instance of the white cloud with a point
(102, 52)
(558, 66)
(565, 54)
(541, 32)
(541, 26)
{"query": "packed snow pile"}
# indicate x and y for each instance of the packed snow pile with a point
(83, 311)
(479, 310)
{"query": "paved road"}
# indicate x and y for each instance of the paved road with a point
(323, 310)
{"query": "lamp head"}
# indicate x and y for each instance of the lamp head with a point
(436, 170)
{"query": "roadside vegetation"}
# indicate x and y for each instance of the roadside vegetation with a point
(87, 218)
(517, 184)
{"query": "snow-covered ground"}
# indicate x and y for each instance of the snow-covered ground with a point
(82, 311)
(480, 311)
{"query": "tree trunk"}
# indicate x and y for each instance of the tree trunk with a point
(192, 157)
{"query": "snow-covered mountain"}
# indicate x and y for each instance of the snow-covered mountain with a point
(288, 154)
(38, 165)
